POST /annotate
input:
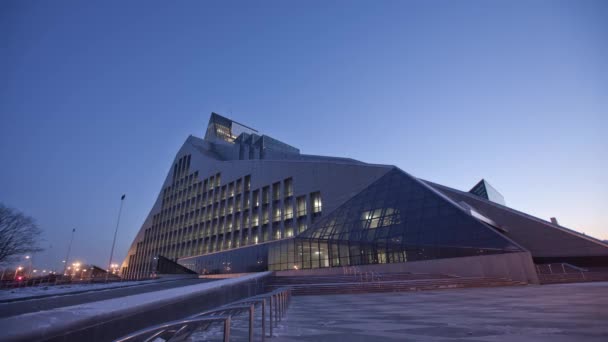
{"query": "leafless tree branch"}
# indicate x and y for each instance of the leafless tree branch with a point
(19, 234)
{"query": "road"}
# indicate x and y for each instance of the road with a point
(34, 305)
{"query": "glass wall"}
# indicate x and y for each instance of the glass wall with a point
(396, 219)
(240, 260)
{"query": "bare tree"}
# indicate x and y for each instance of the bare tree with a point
(19, 234)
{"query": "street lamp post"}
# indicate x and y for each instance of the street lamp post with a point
(67, 256)
(122, 199)
(29, 259)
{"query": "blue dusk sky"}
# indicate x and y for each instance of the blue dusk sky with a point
(96, 97)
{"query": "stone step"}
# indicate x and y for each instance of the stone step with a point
(397, 286)
(404, 288)
(286, 280)
(557, 278)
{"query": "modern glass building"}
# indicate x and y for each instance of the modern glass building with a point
(240, 201)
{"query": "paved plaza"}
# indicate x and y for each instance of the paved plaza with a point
(565, 312)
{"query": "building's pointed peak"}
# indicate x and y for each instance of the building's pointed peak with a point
(483, 189)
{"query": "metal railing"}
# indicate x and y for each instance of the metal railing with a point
(557, 269)
(179, 330)
(562, 267)
(367, 276)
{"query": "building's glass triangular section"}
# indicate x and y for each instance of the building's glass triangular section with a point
(395, 219)
(484, 190)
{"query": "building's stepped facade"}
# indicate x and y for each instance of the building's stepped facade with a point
(349, 284)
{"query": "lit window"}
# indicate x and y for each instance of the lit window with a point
(301, 204)
(317, 205)
(288, 187)
(288, 211)
(380, 217)
(277, 214)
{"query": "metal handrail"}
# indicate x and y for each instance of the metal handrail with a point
(278, 299)
(555, 268)
(232, 310)
(176, 330)
(575, 267)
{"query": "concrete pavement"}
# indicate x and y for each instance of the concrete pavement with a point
(565, 312)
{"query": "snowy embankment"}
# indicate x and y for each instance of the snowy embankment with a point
(37, 291)
(34, 326)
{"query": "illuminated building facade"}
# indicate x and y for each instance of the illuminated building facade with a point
(240, 201)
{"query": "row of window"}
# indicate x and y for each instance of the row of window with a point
(194, 227)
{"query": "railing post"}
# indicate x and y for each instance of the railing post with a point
(280, 307)
(264, 319)
(251, 312)
(227, 329)
(271, 314)
(276, 310)
(550, 270)
(563, 268)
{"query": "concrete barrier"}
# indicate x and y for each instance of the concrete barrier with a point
(110, 319)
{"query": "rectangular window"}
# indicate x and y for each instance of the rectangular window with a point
(301, 205)
(265, 195)
(288, 231)
(247, 183)
(288, 187)
(230, 209)
(256, 198)
(288, 210)
(247, 201)
(317, 206)
(237, 203)
(276, 191)
(239, 184)
(231, 189)
(302, 226)
(246, 220)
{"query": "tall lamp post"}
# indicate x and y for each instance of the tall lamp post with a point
(67, 256)
(122, 199)
(29, 272)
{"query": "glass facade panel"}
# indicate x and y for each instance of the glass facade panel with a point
(396, 219)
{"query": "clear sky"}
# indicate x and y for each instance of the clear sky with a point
(96, 97)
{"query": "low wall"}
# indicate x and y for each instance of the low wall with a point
(517, 266)
(109, 319)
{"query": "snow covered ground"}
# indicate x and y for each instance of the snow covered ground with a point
(34, 291)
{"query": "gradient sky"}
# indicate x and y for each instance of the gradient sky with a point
(96, 97)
